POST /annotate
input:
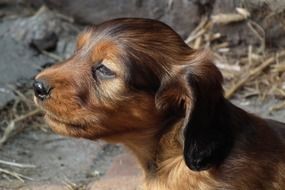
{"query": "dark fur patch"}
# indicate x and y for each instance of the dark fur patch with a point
(208, 135)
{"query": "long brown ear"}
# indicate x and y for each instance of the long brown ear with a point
(196, 90)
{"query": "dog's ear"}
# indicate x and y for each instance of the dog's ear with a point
(196, 90)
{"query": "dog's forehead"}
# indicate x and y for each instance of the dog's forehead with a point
(97, 46)
(137, 44)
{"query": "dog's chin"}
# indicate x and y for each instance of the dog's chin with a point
(63, 128)
(74, 129)
(57, 126)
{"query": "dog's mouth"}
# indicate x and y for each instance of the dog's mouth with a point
(56, 122)
(54, 119)
(67, 125)
(70, 128)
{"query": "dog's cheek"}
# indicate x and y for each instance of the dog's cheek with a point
(113, 90)
(58, 128)
(84, 96)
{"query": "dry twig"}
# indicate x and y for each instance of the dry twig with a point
(277, 107)
(3, 162)
(15, 174)
(248, 76)
(252, 25)
(20, 94)
(52, 55)
(241, 15)
(11, 126)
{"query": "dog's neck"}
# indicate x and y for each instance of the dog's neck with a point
(155, 145)
(152, 146)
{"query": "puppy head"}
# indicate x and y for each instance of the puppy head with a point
(108, 86)
(131, 75)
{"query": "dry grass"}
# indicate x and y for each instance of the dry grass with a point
(14, 114)
(15, 117)
(259, 73)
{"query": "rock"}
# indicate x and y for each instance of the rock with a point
(17, 63)
(44, 187)
(118, 183)
(123, 174)
(66, 46)
(123, 164)
(6, 2)
(42, 25)
(6, 95)
(47, 43)
(183, 15)
(18, 60)
(180, 14)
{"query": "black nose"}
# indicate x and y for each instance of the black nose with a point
(41, 89)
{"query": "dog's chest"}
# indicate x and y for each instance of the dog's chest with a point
(178, 177)
(178, 184)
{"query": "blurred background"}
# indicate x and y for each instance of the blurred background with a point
(247, 37)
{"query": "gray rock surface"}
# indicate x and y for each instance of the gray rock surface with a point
(19, 62)
(261, 108)
(35, 27)
(58, 158)
(40, 25)
(182, 15)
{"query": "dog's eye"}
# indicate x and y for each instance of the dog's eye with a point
(102, 72)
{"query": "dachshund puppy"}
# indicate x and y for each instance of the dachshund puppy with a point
(134, 81)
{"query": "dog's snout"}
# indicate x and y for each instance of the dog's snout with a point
(41, 89)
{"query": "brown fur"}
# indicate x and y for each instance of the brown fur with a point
(166, 105)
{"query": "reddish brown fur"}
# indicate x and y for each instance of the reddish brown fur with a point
(150, 102)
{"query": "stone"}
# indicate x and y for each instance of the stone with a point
(44, 187)
(47, 43)
(123, 165)
(182, 15)
(17, 63)
(124, 173)
(39, 26)
(118, 183)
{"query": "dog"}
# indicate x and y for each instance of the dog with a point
(134, 81)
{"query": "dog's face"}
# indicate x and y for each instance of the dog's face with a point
(126, 76)
(108, 86)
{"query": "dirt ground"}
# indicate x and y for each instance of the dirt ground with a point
(75, 163)
(57, 160)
